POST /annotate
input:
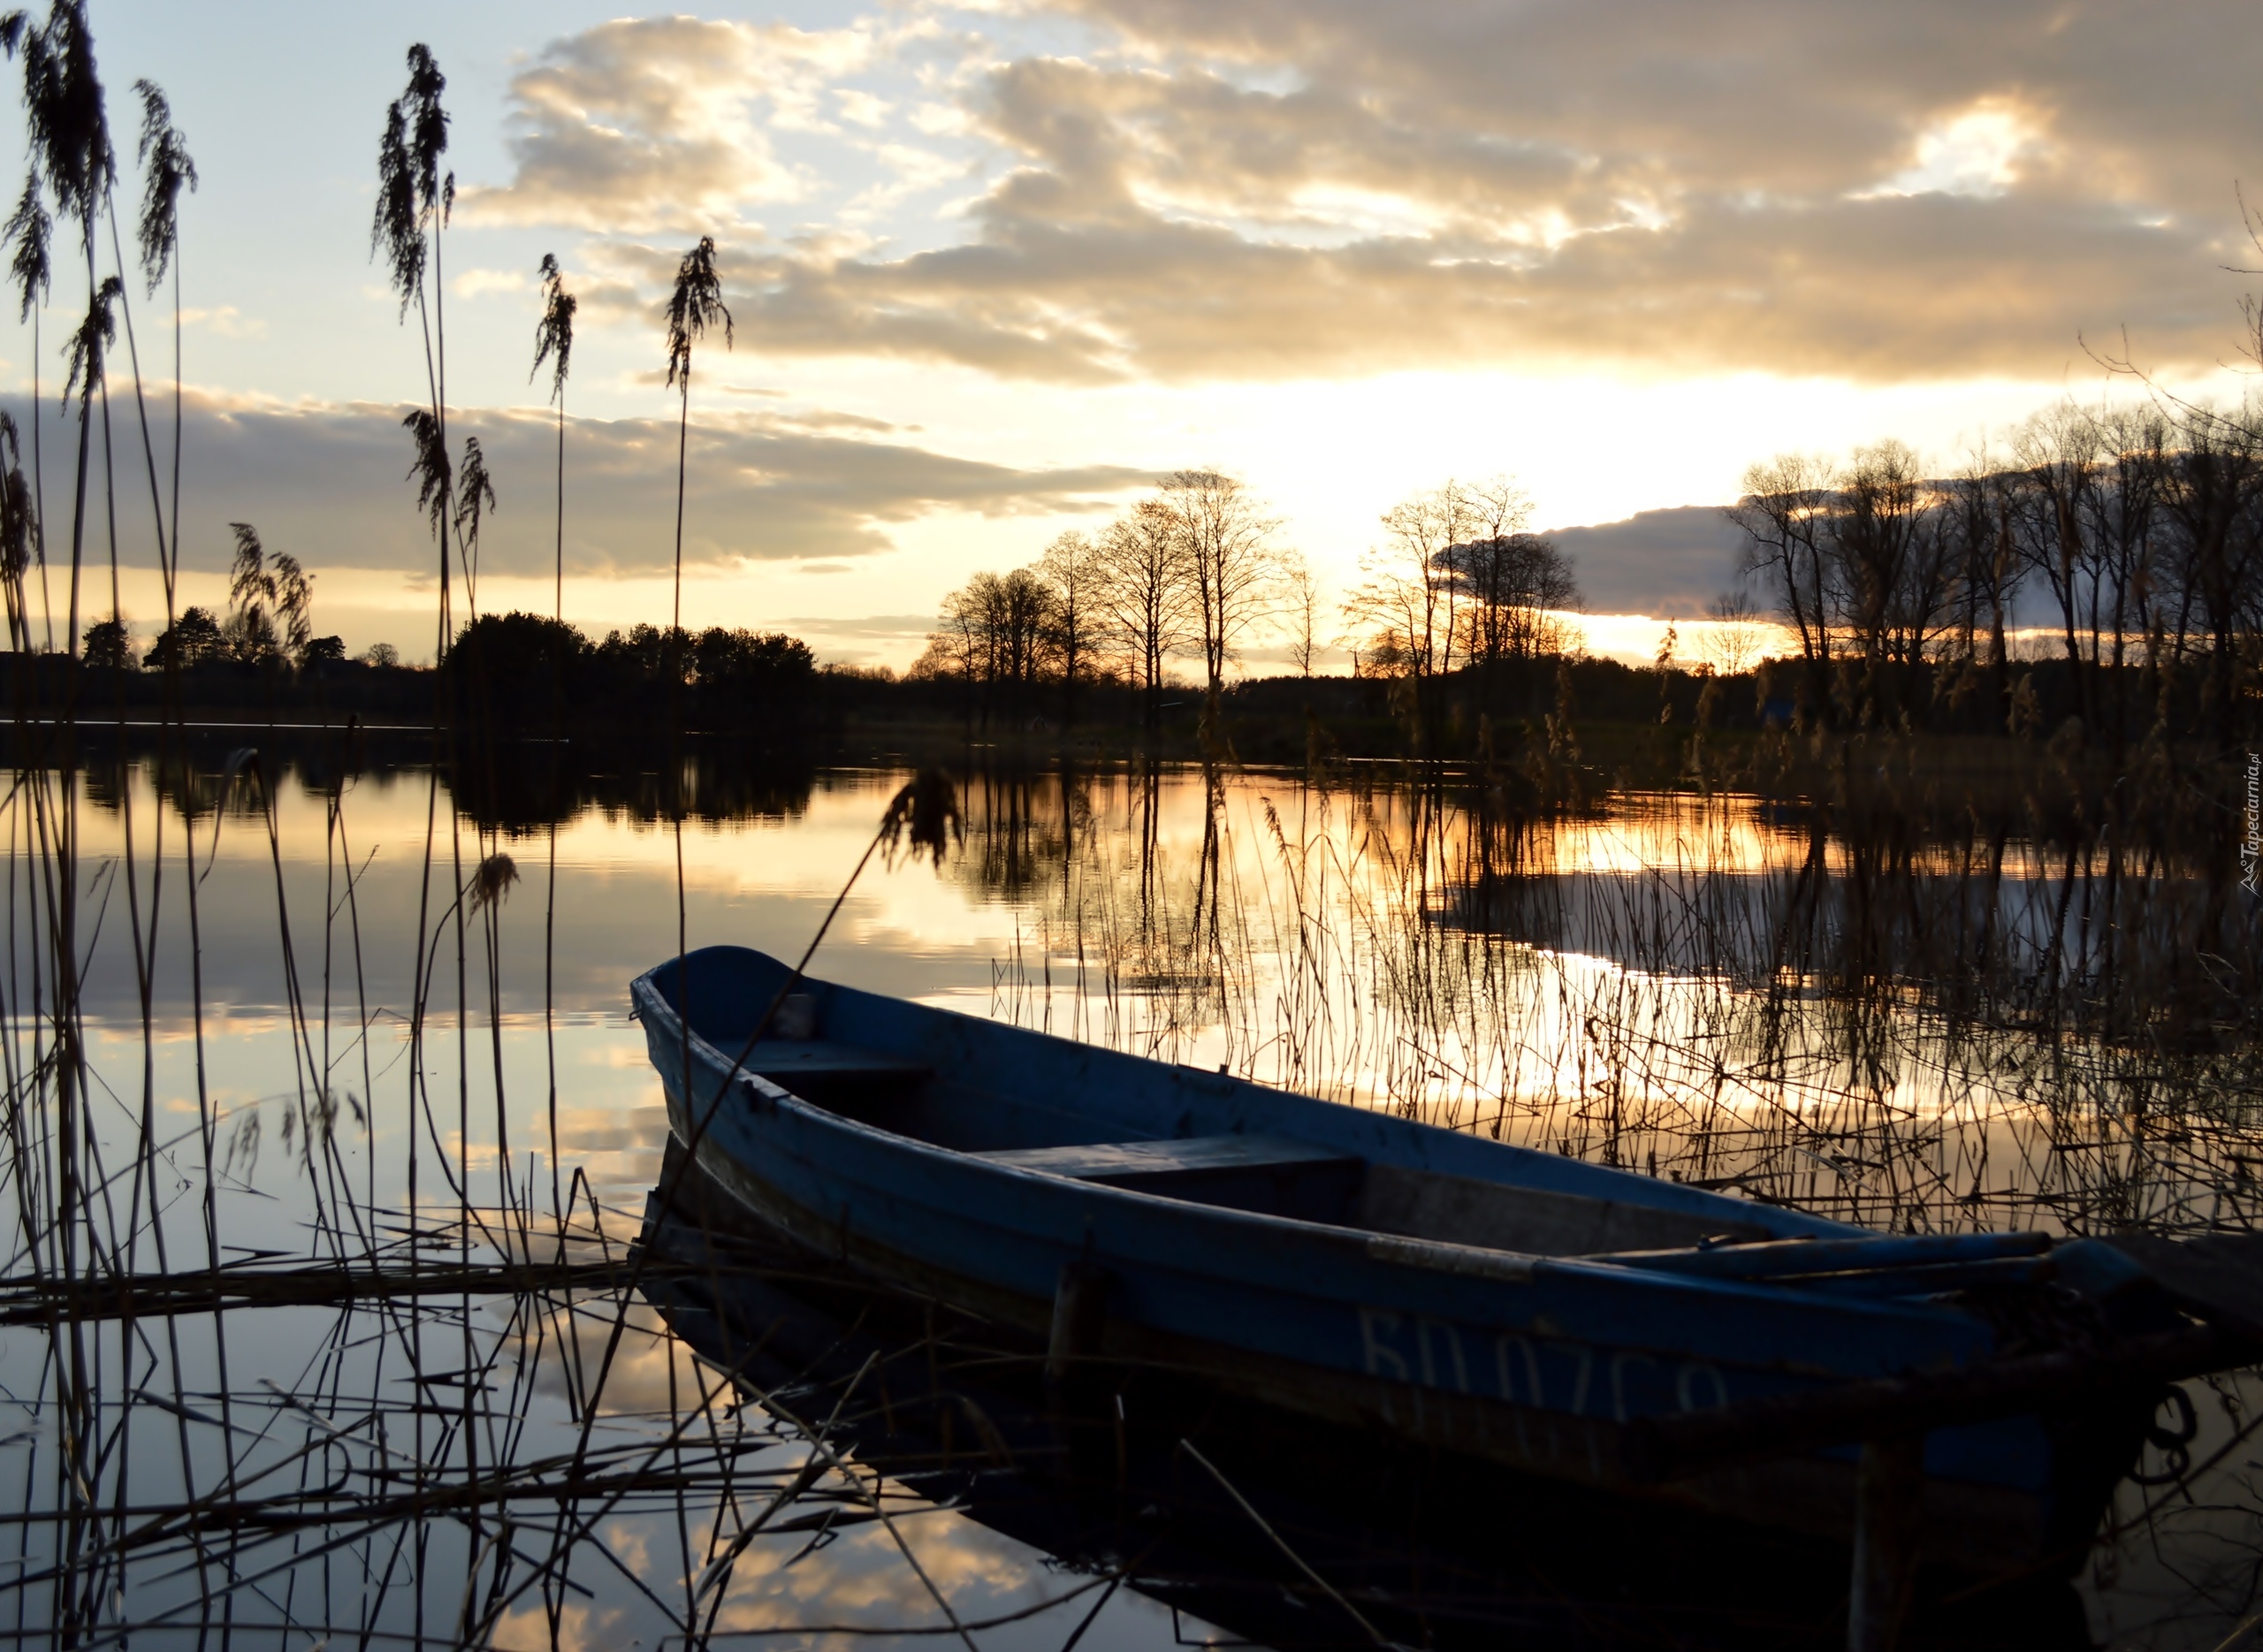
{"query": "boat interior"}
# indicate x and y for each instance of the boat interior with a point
(1264, 1173)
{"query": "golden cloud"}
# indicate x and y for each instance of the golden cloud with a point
(1256, 189)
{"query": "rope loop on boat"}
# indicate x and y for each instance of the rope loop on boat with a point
(2173, 1442)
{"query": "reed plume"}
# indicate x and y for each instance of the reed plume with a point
(694, 307)
(553, 342)
(167, 169)
(413, 202)
(475, 496)
(28, 233)
(430, 470)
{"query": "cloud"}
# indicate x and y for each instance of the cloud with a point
(225, 320)
(861, 108)
(1981, 151)
(1263, 189)
(328, 482)
(646, 124)
(884, 627)
(1655, 562)
(472, 283)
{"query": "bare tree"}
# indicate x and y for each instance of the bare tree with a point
(1735, 635)
(2132, 532)
(998, 633)
(1145, 593)
(1302, 610)
(1407, 601)
(2214, 501)
(1978, 504)
(1903, 568)
(1392, 612)
(1232, 562)
(1785, 500)
(1020, 611)
(1462, 581)
(1517, 587)
(1072, 567)
(951, 652)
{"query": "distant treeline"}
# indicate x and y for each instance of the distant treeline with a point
(2139, 530)
(522, 669)
(1885, 600)
(1886, 595)
(1195, 572)
(512, 671)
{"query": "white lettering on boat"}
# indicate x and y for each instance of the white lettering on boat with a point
(1424, 1329)
(1377, 1355)
(1685, 1386)
(1534, 1393)
(1586, 1356)
(1619, 1361)
(1438, 1359)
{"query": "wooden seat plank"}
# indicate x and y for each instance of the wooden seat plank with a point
(1121, 1159)
(783, 1061)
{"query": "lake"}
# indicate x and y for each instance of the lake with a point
(356, 1013)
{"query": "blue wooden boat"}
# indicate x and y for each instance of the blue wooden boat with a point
(1552, 1316)
(1423, 1547)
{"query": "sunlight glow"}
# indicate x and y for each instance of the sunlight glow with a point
(1981, 152)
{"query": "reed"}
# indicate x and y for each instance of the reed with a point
(356, 1400)
(2031, 1015)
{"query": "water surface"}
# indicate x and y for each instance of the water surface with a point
(1747, 994)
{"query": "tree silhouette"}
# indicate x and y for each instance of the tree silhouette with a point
(1072, 565)
(553, 342)
(108, 646)
(1233, 565)
(188, 641)
(693, 307)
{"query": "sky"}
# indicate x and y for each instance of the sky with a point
(994, 267)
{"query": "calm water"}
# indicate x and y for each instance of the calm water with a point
(1672, 984)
